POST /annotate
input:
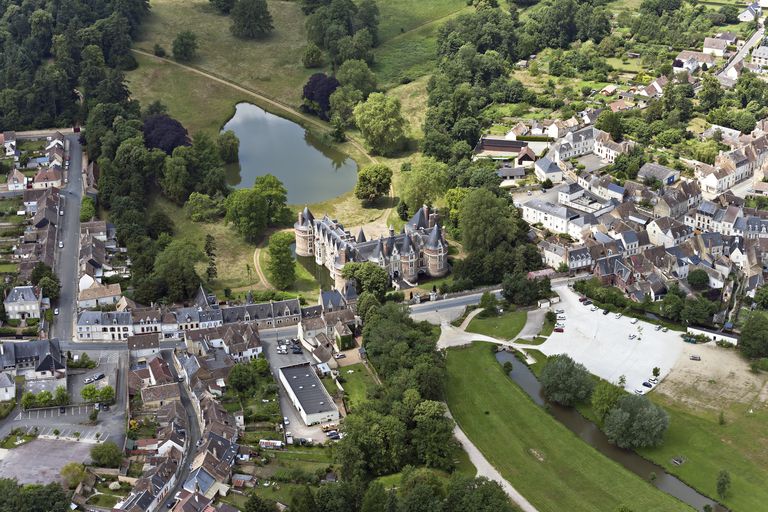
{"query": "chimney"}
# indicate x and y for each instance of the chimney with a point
(391, 230)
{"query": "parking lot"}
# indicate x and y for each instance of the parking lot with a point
(107, 363)
(40, 461)
(69, 411)
(602, 344)
(296, 426)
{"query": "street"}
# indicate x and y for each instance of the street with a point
(69, 233)
(193, 431)
(744, 51)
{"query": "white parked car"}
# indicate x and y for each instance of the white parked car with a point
(61, 244)
(593, 308)
(286, 420)
(633, 321)
(618, 315)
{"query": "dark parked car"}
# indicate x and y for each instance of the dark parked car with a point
(605, 311)
(62, 410)
(587, 302)
(559, 329)
(647, 384)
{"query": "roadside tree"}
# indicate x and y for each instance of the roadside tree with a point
(565, 381)
(754, 336)
(90, 393)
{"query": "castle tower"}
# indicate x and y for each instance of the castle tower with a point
(303, 230)
(436, 253)
(409, 268)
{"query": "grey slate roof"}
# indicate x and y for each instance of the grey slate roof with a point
(308, 389)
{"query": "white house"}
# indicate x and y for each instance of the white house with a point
(715, 46)
(23, 302)
(97, 295)
(760, 56)
(307, 394)
(16, 180)
(7, 388)
(9, 143)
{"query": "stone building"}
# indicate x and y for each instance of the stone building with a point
(419, 249)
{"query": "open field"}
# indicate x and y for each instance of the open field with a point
(547, 463)
(505, 326)
(357, 384)
(694, 394)
(234, 257)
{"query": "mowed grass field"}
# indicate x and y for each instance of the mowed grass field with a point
(540, 457)
(739, 447)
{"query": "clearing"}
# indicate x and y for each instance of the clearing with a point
(504, 327)
(540, 457)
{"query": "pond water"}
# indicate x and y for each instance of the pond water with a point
(310, 170)
(591, 434)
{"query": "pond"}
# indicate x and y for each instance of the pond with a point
(310, 170)
(591, 434)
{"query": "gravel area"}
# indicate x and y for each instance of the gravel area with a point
(41, 460)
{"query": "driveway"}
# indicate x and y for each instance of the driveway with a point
(744, 51)
(601, 343)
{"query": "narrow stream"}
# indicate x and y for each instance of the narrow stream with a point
(591, 434)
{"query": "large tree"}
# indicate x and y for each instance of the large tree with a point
(381, 123)
(698, 279)
(370, 278)
(275, 194)
(356, 74)
(281, 267)
(605, 397)
(247, 210)
(164, 132)
(251, 19)
(425, 183)
(317, 94)
(485, 220)
(223, 6)
(185, 46)
(565, 381)
(373, 182)
(754, 335)
(229, 147)
(107, 454)
(636, 422)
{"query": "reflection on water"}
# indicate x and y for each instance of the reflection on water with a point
(311, 171)
(320, 273)
(592, 435)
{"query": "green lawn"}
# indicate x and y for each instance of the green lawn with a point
(234, 256)
(356, 384)
(305, 284)
(505, 326)
(103, 500)
(740, 447)
(547, 463)
(8, 268)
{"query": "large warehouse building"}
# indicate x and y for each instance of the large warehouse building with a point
(308, 394)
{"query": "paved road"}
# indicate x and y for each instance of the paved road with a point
(744, 51)
(193, 432)
(69, 233)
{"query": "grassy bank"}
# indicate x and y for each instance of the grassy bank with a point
(547, 463)
(505, 326)
(356, 384)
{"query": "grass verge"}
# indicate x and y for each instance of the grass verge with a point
(546, 462)
(505, 326)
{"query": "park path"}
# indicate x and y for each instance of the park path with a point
(469, 318)
(259, 272)
(486, 469)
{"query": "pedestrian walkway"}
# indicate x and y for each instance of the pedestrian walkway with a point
(451, 336)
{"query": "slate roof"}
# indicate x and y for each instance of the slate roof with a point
(307, 388)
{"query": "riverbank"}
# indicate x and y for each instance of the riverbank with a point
(547, 463)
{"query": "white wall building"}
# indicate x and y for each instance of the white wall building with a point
(307, 394)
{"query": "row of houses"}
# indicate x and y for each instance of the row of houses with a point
(50, 167)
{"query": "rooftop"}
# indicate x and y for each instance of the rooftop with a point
(307, 388)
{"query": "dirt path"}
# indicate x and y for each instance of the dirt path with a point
(259, 272)
(486, 469)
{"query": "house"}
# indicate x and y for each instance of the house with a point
(154, 397)
(715, 46)
(99, 295)
(730, 37)
(308, 394)
(47, 177)
(16, 180)
(23, 302)
(546, 169)
(619, 106)
(654, 171)
(9, 143)
(655, 89)
(751, 13)
(7, 387)
(557, 218)
(668, 232)
(104, 326)
(143, 345)
(498, 148)
(609, 89)
(510, 175)
(688, 60)
(760, 56)
(35, 359)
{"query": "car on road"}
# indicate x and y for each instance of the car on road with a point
(587, 302)
(170, 504)
(61, 244)
(332, 433)
(561, 317)
(633, 321)
(559, 324)
(98, 376)
(647, 384)
(286, 421)
(87, 380)
(618, 315)
(61, 211)
(593, 308)
(56, 311)
(582, 299)
(104, 407)
(695, 358)
(339, 356)
(559, 329)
